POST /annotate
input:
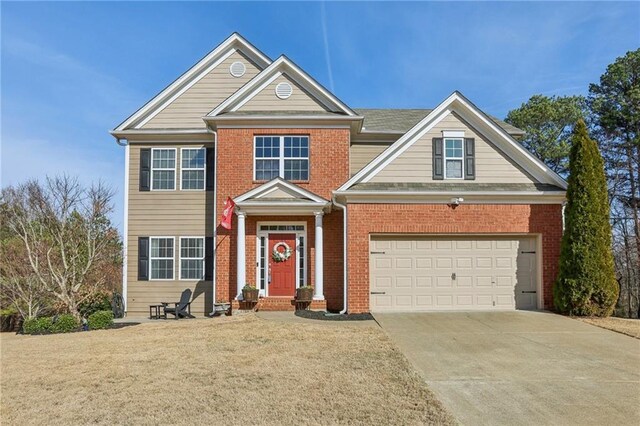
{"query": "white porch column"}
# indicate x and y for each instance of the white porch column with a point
(319, 284)
(240, 258)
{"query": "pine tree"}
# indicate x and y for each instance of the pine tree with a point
(586, 283)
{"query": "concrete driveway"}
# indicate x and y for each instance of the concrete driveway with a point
(522, 367)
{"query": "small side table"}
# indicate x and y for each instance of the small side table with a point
(154, 311)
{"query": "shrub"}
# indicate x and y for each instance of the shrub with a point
(586, 283)
(100, 301)
(37, 325)
(65, 324)
(100, 320)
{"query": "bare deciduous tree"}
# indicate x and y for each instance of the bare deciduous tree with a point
(65, 233)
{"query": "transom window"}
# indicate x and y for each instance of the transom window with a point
(161, 258)
(163, 169)
(281, 156)
(193, 167)
(191, 258)
(453, 158)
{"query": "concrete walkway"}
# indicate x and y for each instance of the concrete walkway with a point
(522, 368)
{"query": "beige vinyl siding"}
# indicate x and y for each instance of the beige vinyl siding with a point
(187, 110)
(165, 214)
(266, 99)
(362, 153)
(415, 164)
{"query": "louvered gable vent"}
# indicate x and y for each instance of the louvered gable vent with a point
(283, 90)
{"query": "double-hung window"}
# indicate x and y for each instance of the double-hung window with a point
(191, 258)
(193, 161)
(163, 168)
(453, 158)
(281, 156)
(161, 257)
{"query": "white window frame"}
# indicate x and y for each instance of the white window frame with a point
(282, 158)
(175, 168)
(267, 254)
(445, 157)
(191, 258)
(204, 168)
(173, 259)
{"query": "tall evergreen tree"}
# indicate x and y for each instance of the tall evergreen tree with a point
(586, 283)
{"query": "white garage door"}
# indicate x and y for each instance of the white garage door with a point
(420, 273)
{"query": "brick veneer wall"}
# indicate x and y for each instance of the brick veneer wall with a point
(365, 219)
(329, 168)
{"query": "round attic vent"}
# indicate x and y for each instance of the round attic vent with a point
(283, 90)
(237, 69)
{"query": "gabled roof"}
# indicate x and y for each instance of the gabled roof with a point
(191, 76)
(279, 189)
(280, 66)
(401, 120)
(457, 102)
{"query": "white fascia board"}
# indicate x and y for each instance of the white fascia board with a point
(231, 44)
(434, 197)
(522, 157)
(268, 75)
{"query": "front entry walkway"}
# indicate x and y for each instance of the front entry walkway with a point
(521, 368)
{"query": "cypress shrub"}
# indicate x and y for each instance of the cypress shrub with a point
(586, 283)
(101, 319)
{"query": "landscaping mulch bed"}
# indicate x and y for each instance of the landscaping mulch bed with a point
(325, 316)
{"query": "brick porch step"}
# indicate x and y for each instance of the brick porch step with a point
(277, 304)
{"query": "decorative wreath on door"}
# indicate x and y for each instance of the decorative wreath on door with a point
(281, 256)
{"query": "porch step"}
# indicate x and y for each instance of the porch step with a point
(277, 304)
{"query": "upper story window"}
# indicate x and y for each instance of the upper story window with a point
(193, 168)
(163, 168)
(281, 156)
(453, 158)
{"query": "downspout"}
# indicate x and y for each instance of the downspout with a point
(215, 215)
(344, 252)
(125, 228)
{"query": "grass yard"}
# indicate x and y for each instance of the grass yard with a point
(229, 370)
(630, 327)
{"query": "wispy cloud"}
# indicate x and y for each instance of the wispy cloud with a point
(327, 54)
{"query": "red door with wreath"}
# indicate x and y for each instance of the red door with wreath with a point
(283, 272)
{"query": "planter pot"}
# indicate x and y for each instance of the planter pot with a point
(250, 295)
(304, 294)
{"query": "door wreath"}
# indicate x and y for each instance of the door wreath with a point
(281, 256)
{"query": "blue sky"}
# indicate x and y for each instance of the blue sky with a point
(73, 71)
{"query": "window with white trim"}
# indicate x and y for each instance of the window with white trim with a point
(163, 169)
(161, 256)
(191, 258)
(193, 162)
(453, 158)
(281, 156)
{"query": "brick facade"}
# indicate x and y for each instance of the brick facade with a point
(329, 168)
(365, 219)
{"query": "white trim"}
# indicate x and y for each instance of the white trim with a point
(260, 233)
(190, 258)
(235, 41)
(453, 134)
(281, 183)
(173, 259)
(188, 86)
(445, 158)
(125, 228)
(241, 254)
(456, 101)
(283, 126)
(441, 197)
(281, 158)
(175, 170)
(203, 169)
(283, 65)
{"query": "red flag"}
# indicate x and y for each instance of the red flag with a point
(227, 213)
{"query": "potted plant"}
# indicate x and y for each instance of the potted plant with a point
(249, 293)
(304, 293)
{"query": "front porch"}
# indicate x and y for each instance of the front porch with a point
(284, 219)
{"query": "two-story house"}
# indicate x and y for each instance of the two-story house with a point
(377, 209)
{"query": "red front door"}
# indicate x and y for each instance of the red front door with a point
(283, 274)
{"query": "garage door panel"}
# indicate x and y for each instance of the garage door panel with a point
(452, 273)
